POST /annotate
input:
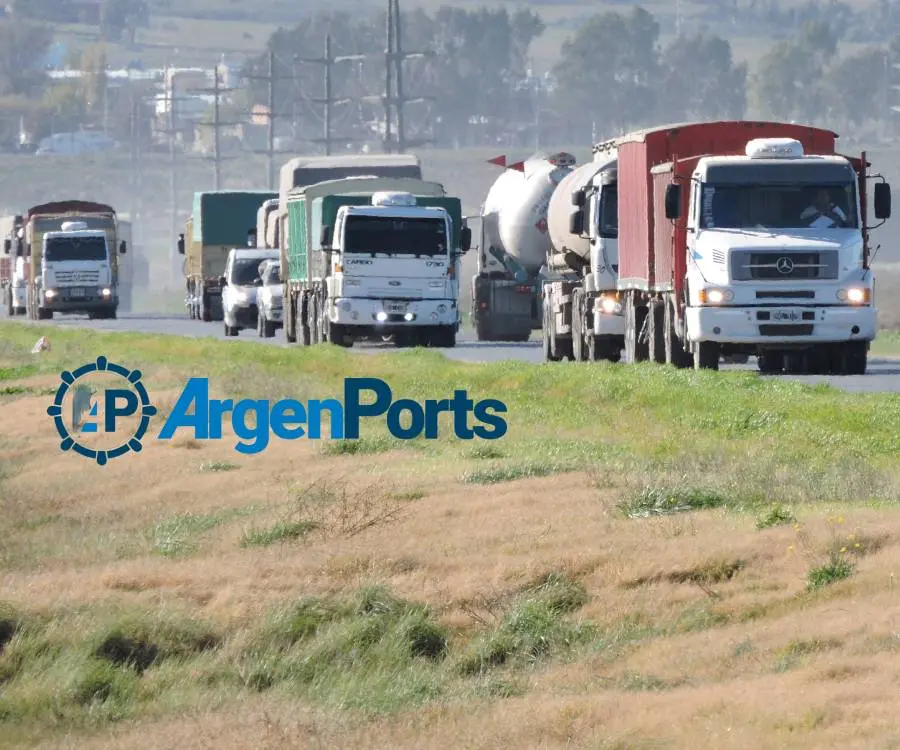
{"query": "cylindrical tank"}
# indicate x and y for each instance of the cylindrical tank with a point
(561, 208)
(515, 209)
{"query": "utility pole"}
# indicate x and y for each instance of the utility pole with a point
(270, 151)
(394, 57)
(329, 101)
(217, 124)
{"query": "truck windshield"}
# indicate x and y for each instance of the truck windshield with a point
(395, 236)
(245, 272)
(608, 215)
(797, 206)
(75, 248)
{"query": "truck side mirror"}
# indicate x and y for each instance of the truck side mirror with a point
(673, 201)
(326, 237)
(578, 198)
(882, 200)
(122, 247)
(465, 239)
(181, 244)
(576, 222)
(7, 245)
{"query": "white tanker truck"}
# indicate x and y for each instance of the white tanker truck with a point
(514, 246)
(582, 316)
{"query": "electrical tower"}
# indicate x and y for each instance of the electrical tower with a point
(329, 101)
(217, 124)
(395, 104)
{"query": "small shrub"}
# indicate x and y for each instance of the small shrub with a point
(281, 532)
(775, 516)
(836, 569)
(652, 501)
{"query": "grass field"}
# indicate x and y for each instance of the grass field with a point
(649, 557)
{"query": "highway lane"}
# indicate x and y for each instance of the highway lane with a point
(882, 376)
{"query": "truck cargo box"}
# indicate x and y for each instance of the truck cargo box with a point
(641, 236)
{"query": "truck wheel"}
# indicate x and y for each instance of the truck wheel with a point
(706, 355)
(656, 345)
(444, 337)
(769, 363)
(230, 330)
(482, 331)
(578, 344)
(549, 353)
(205, 310)
(43, 314)
(675, 353)
(339, 336)
(850, 358)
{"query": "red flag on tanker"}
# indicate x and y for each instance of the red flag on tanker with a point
(500, 161)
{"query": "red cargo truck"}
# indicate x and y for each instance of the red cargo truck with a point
(718, 255)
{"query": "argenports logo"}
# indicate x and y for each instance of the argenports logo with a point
(101, 410)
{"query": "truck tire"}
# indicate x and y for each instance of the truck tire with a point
(656, 344)
(850, 358)
(315, 331)
(43, 314)
(769, 363)
(579, 350)
(706, 355)
(482, 330)
(290, 318)
(550, 354)
(675, 352)
(444, 337)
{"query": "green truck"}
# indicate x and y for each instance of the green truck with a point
(220, 220)
(373, 258)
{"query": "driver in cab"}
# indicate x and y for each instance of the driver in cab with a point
(823, 213)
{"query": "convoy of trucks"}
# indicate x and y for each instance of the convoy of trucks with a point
(220, 221)
(686, 244)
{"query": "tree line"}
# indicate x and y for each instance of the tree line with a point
(614, 73)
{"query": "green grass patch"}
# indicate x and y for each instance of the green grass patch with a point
(836, 569)
(657, 501)
(217, 466)
(179, 535)
(775, 516)
(283, 531)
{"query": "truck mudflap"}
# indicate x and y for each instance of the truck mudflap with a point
(505, 310)
(794, 326)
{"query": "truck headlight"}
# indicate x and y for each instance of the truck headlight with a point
(610, 305)
(715, 296)
(855, 295)
(106, 292)
(50, 293)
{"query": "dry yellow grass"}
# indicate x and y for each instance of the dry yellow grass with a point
(706, 635)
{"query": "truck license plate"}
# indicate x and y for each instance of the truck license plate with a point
(76, 292)
(790, 315)
(396, 307)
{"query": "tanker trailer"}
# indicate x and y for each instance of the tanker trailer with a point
(513, 248)
(583, 318)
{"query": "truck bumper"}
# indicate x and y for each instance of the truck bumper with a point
(763, 326)
(393, 314)
(608, 325)
(64, 301)
(275, 314)
(243, 317)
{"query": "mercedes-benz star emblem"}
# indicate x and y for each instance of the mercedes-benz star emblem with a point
(784, 265)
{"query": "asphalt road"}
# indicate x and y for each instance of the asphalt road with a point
(882, 375)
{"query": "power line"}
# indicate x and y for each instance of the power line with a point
(329, 101)
(217, 124)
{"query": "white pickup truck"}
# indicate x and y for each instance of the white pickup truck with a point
(241, 284)
(270, 310)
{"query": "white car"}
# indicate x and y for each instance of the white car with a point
(270, 315)
(242, 281)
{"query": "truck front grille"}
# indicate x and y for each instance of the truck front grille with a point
(774, 265)
(88, 278)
